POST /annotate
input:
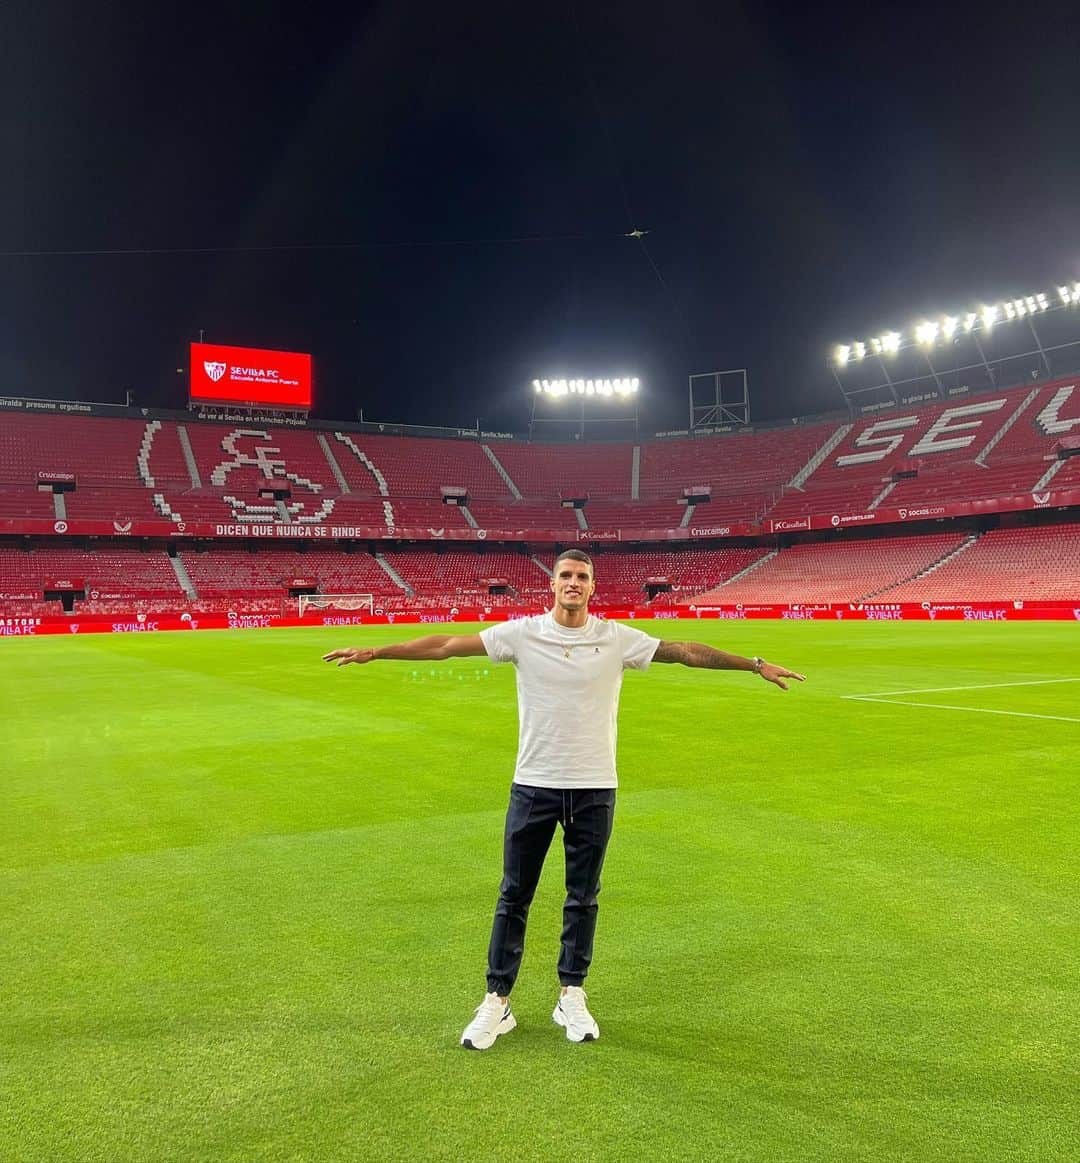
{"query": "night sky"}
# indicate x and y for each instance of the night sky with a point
(433, 198)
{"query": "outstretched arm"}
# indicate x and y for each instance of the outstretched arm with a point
(697, 654)
(430, 649)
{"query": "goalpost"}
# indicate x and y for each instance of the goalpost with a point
(315, 603)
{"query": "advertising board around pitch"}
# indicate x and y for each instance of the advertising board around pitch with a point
(250, 375)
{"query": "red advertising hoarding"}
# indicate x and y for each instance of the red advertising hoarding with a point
(250, 375)
(14, 626)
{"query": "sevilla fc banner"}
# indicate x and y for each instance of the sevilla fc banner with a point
(15, 626)
(250, 375)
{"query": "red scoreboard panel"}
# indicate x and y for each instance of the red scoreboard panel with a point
(250, 375)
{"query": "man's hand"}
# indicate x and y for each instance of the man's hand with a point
(350, 654)
(773, 673)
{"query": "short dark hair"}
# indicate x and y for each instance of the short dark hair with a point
(576, 555)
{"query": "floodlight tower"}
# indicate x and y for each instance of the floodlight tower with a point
(576, 403)
(887, 370)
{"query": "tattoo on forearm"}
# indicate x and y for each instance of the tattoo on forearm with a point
(697, 654)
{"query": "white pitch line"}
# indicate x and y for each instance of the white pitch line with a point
(949, 707)
(983, 686)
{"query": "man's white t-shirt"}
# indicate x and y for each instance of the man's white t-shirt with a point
(568, 683)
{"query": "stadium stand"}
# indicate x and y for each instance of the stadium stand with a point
(563, 470)
(746, 471)
(1036, 564)
(26, 501)
(944, 452)
(114, 566)
(622, 575)
(457, 573)
(1004, 443)
(417, 466)
(125, 573)
(93, 448)
(228, 571)
(835, 572)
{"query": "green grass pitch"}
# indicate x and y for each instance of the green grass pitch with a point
(245, 900)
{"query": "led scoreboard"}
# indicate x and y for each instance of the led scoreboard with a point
(250, 375)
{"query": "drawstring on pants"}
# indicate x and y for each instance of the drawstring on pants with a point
(567, 796)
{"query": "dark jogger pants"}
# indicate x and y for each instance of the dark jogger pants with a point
(586, 816)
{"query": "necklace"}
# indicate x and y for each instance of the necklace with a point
(568, 646)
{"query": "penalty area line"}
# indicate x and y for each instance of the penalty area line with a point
(951, 707)
(982, 686)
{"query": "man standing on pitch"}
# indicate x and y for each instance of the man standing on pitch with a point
(569, 671)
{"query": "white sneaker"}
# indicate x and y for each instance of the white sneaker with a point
(493, 1018)
(573, 1015)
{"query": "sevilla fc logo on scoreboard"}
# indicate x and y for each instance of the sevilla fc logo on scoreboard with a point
(214, 370)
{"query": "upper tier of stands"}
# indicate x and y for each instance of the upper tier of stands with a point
(998, 443)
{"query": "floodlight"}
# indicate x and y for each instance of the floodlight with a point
(985, 318)
(621, 386)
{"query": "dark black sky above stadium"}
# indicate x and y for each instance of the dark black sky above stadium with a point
(433, 199)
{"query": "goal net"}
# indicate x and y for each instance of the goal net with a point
(316, 603)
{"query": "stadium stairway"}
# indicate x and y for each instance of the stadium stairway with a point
(189, 456)
(801, 477)
(335, 468)
(1002, 432)
(182, 575)
(882, 495)
(717, 594)
(926, 570)
(394, 576)
(965, 545)
(1044, 481)
(489, 452)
